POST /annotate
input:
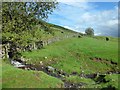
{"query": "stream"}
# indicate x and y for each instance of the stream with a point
(61, 74)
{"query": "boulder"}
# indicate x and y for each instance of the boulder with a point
(50, 69)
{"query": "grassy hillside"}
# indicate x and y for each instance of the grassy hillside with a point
(50, 30)
(77, 50)
(80, 55)
(74, 56)
(18, 78)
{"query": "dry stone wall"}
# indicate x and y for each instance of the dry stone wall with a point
(9, 49)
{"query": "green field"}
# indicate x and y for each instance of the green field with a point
(70, 55)
(18, 78)
(73, 53)
(38, 54)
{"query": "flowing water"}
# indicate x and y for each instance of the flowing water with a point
(60, 74)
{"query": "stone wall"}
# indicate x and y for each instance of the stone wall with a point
(9, 49)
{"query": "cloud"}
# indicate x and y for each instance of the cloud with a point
(79, 16)
(97, 34)
(81, 4)
(104, 22)
(68, 27)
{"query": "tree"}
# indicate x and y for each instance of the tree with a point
(89, 31)
(19, 18)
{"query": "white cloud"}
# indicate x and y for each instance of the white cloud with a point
(97, 34)
(79, 16)
(68, 27)
(111, 23)
(103, 22)
(83, 4)
(75, 28)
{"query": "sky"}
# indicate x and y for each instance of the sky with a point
(101, 16)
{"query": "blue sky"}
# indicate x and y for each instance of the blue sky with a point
(101, 16)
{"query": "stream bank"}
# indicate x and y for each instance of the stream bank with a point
(61, 74)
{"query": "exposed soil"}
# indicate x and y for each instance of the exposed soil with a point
(96, 59)
(110, 63)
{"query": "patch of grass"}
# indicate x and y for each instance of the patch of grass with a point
(18, 78)
(74, 54)
(104, 38)
(78, 79)
(112, 82)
